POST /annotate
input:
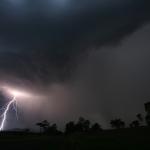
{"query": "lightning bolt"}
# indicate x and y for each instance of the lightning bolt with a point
(4, 115)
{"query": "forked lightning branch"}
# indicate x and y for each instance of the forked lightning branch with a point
(6, 110)
(12, 104)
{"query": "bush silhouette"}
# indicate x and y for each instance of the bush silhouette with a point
(117, 123)
(96, 128)
(70, 127)
(135, 124)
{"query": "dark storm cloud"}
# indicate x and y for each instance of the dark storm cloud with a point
(45, 38)
(45, 43)
(114, 81)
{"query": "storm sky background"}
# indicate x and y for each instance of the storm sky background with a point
(78, 58)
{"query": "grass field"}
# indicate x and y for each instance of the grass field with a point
(125, 139)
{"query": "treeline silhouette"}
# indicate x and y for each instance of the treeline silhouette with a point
(85, 126)
(81, 126)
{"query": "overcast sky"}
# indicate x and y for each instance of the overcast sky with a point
(81, 58)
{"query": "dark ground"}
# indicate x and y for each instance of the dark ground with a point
(124, 139)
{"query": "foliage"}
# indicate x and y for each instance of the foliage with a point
(82, 126)
(147, 119)
(135, 124)
(117, 123)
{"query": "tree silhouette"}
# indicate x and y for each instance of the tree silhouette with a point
(82, 125)
(139, 117)
(86, 125)
(79, 125)
(135, 124)
(96, 128)
(70, 127)
(147, 119)
(40, 125)
(52, 129)
(117, 123)
(44, 125)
